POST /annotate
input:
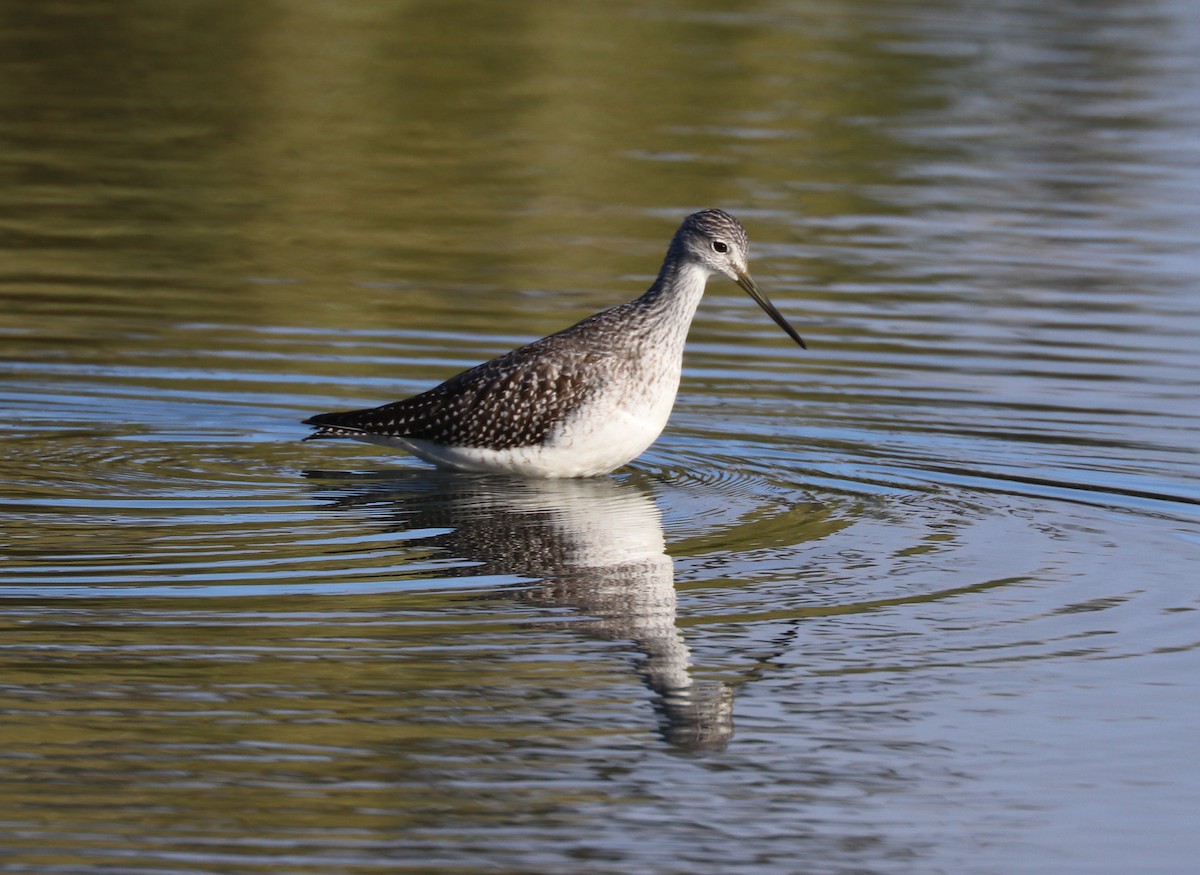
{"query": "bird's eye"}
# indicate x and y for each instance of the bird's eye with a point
(720, 246)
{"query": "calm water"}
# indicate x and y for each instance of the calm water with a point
(921, 599)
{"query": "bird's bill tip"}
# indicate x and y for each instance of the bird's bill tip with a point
(751, 288)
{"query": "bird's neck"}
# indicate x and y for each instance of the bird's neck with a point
(677, 290)
(667, 307)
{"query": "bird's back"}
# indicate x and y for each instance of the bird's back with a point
(514, 400)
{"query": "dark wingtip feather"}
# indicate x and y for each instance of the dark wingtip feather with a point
(322, 419)
(332, 425)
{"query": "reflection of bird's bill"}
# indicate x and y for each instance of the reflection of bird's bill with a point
(746, 282)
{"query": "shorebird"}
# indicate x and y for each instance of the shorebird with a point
(581, 402)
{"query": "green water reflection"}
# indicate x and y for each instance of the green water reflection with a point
(415, 144)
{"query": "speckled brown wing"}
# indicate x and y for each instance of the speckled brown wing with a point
(511, 401)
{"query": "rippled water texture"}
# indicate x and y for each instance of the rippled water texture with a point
(920, 599)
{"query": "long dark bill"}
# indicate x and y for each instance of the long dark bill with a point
(763, 301)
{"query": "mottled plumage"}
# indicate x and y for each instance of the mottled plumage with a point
(580, 402)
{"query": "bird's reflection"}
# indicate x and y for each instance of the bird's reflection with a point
(595, 546)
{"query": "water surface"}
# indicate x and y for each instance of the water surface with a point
(920, 599)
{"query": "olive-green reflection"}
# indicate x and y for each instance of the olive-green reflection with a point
(262, 720)
(425, 145)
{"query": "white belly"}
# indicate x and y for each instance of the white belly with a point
(598, 439)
